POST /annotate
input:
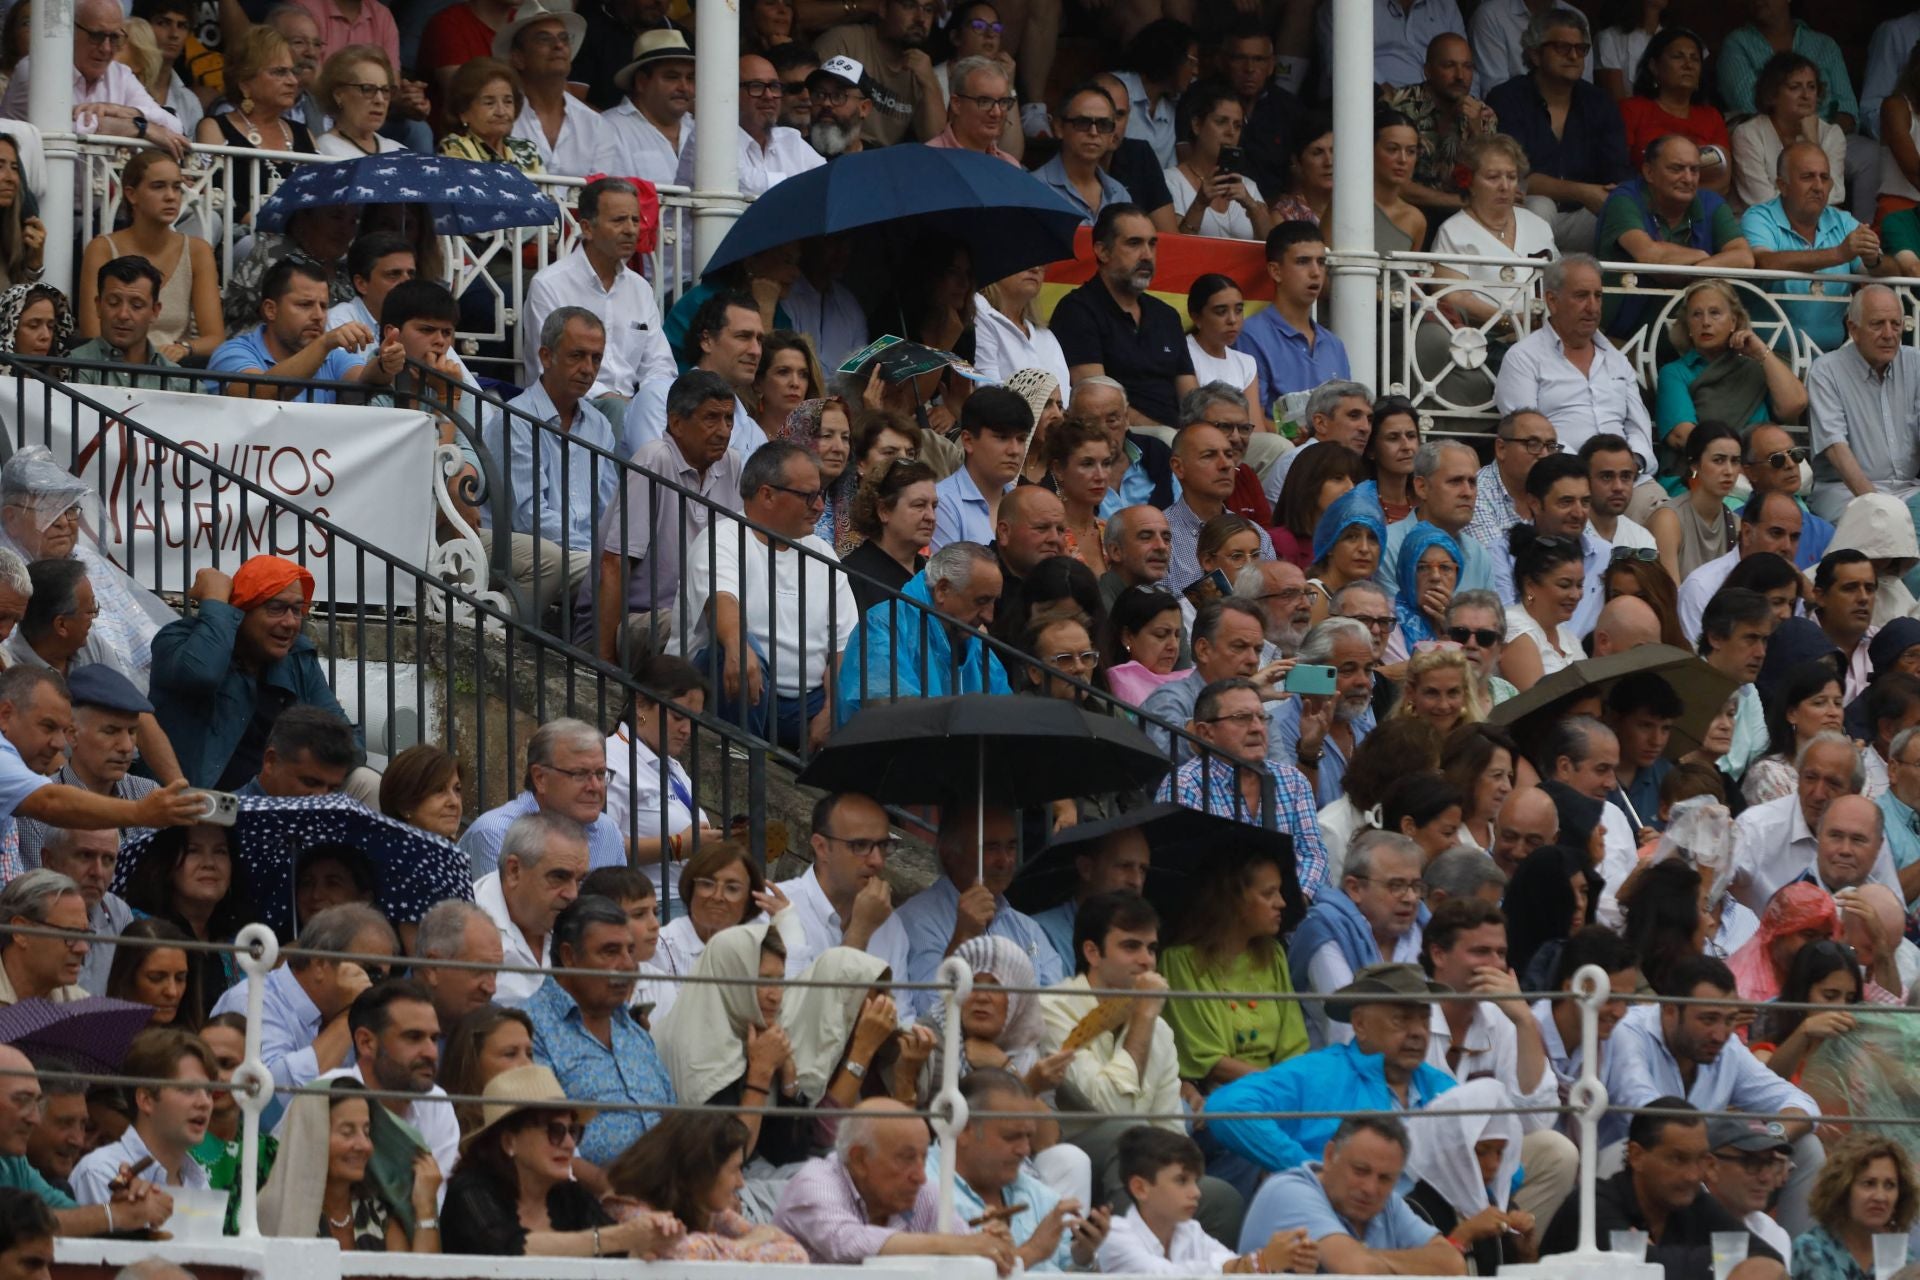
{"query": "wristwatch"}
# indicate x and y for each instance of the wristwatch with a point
(139, 126)
(856, 1070)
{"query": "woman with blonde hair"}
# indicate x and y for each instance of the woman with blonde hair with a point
(142, 54)
(1008, 336)
(1440, 687)
(1725, 373)
(262, 87)
(1865, 1189)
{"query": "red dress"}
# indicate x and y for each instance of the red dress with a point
(1647, 120)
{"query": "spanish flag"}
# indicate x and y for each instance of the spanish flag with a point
(1179, 262)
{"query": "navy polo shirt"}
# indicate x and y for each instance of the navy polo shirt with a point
(1092, 329)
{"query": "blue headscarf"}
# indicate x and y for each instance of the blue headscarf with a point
(1358, 505)
(1414, 625)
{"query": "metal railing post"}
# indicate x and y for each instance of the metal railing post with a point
(257, 961)
(949, 1108)
(1588, 1094)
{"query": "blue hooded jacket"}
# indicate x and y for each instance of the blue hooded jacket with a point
(888, 642)
(1336, 1078)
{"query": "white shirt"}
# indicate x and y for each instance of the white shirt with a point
(93, 1176)
(677, 952)
(1521, 623)
(1001, 348)
(333, 145)
(644, 151)
(1237, 370)
(816, 917)
(118, 87)
(1103, 1076)
(1606, 400)
(1640, 1067)
(1532, 246)
(1620, 855)
(1234, 224)
(1619, 50)
(639, 794)
(1132, 1249)
(510, 989)
(801, 645)
(1773, 846)
(1328, 971)
(1492, 1050)
(587, 142)
(433, 1121)
(1627, 533)
(1770, 1231)
(1701, 586)
(834, 320)
(636, 339)
(785, 155)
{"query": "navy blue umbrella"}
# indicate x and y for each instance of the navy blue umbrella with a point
(412, 869)
(464, 197)
(1009, 219)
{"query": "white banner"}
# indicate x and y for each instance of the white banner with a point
(366, 470)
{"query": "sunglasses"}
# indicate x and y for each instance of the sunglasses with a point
(1645, 555)
(1781, 459)
(558, 1131)
(1485, 637)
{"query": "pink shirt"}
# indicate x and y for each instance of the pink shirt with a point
(947, 140)
(118, 86)
(374, 26)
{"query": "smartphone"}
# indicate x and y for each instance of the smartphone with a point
(1305, 677)
(222, 808)
(1232, 160)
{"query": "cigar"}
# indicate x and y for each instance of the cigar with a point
(1005, 1213)
(134, 1170)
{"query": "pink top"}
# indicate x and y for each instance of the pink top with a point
(373, 26)
(1133, 684)
(951, 143)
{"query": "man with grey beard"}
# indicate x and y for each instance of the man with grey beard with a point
(1321, 734)
(842, 101)
(1112, 325)
(1279, 587)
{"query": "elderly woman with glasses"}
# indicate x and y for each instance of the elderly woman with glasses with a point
(1725, 373)
(721, 886)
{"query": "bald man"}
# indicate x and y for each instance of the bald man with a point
(1625, 622)
(870, 1196)
(139, 1204)
(1030, 527)
(1804, 230)
(1527, 820)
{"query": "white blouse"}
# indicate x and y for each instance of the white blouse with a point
(1002, 348)
(1532, 238)
(1521, 623)
(1237, 369)
(640, 795)
(1234, 224)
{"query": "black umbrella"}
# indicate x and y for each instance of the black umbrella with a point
(1181, 842)
(1703, 691)
(983, 747)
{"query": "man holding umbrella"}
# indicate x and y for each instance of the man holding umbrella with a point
(979, 852)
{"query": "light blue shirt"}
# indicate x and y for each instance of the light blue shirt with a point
(1283, 360)
(1135, 488)
(1155, 128)
(914, 941)
(1112, 191)
(606, 847)
(17, 782)
(1750, 737)
(93, 1177)
(1400, 39)
(1766, 227)
(1638, 1067)
(1035, 1200)
(646, 420)
(962, 515)
(1294, 1198)
(589, 1071)
(1284, 743)
(247, 350)
(1903, 829)
(577, 492)
(1476, 566)
(1057, 923)
(289, 1020)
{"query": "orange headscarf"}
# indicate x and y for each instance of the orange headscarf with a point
(264, 577)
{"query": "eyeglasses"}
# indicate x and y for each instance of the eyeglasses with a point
(986, 103)
(581, 776)
(836, 97)
(1371, 623)
(1075, 661)
(793, 88)
(560, 1131)
(1781, 459)
(371, 90)
(104, 39)
(860, 846)
(1086, 124)
(1567, 48)
(1534, 445)
(1285, 593)
(1397, 888)
(550, 39)
(1645, 555)
(1759, 1162)
(761, 88)
(1230, 428)
(725, 890)
(72, 939)
(1239, 718)
(1485, 637)
(275, 610)
(982, 25)
(812, 497)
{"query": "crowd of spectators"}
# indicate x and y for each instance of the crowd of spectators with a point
(1312, 600)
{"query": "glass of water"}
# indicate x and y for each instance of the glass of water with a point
(1632, 1244)
(1889, 1254)
(1729, 1251)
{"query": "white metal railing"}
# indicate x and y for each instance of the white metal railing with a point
(499, 263)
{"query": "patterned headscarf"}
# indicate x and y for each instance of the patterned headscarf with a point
(1359, 505)
(835, 524)
(14, 303)
(1415, 626)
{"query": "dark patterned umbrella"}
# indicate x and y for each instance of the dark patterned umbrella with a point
(463, 196)
(412, 869)
(92, 1035)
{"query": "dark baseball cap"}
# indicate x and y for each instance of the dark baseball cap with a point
(1746, 1135)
